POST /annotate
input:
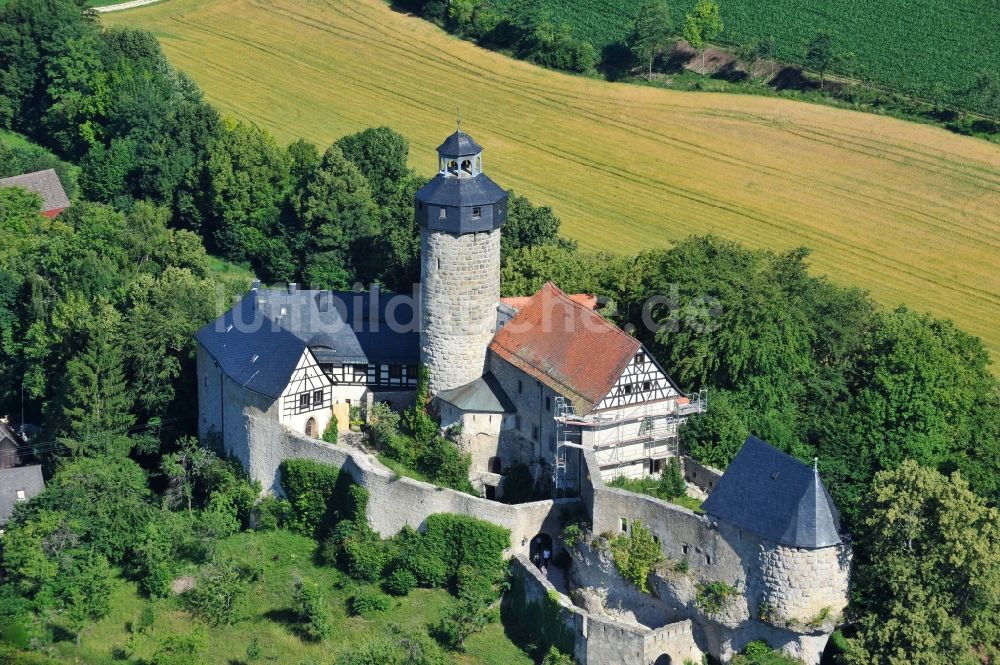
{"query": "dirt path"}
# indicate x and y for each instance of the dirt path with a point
(124, 5)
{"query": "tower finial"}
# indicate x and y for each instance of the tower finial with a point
(816, 464)
(458, 119)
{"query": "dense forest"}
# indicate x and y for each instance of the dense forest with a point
(98, 308)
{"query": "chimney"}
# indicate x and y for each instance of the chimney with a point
(292, 287)
(254, 285)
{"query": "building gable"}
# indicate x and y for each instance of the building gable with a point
(308, 389)
(643, 380)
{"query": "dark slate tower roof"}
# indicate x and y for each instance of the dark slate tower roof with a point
(461, 198)
(777, 497)
(459, 144)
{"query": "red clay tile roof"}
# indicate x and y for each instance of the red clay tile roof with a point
(586, 299)
(567, 346)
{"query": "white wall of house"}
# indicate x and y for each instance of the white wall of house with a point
(308, 396)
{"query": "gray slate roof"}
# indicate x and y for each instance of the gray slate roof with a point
(26, 478)
(450, 191)
(459, 144)
(775, 496)
(483, 395)
(259, 341)
(44, 183)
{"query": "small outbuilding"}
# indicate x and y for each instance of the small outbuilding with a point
(18, 484)
(44, 183)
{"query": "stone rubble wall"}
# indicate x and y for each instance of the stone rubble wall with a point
(460, 278)
(788, 588)
(398, 501)
(602, 640)
(703, 477)
(804, 586)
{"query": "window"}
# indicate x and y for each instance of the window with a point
(304, 401)
(520, 387)
(491, 492)
(655, 465)
(311, 427)
(534, 432)
(443, 213)
(684, 549)
(640, 357)
(21, 496)
(708, 559)
(628, 388)
(477, 213)
(548, 403)
(646, 386)
(395, 371)
(517, 423)
(317, 398)
(624, 524)
(494, 465)
(360, 371)
(467, 166)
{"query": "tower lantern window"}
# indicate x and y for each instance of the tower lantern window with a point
(453, 167)
(467, 166)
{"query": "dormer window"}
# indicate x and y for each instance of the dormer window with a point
(443, 213)
(477, 213)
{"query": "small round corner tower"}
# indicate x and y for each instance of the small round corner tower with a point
(460, 212)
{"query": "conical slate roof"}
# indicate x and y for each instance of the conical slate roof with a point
(775, 496)
(459, 144)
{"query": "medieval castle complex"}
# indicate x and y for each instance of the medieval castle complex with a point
(546, 381)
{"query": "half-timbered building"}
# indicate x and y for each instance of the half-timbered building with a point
(302, 357)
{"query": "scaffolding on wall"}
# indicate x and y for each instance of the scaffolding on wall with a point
(655, 431)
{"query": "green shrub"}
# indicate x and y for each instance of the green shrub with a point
(176, 650)
(368, 602)
(357, 550)
(376, 652)
(310, 487)
(556, 657)
(682, 566)
(312, 611)
(671, 484)
(757, 648)
(713, 596)
(330, 433)
(400, 582)
(460, 540)
(271, 513)
(219, 590)
(571, 534)
(636, 554)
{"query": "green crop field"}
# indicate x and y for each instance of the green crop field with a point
(905, 45)
(905, 210)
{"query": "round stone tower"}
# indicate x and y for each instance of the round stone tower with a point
(460, 213)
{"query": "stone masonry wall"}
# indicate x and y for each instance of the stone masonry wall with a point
(397, 501)
(800, 586)
(460, 281)
(782, 591)
(601, 640)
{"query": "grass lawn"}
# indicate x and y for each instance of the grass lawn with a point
(235, 278)
(13, 138)
(905, 210)
(650, 486)
(285, 557)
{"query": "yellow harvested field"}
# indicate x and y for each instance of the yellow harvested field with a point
(907, 211)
